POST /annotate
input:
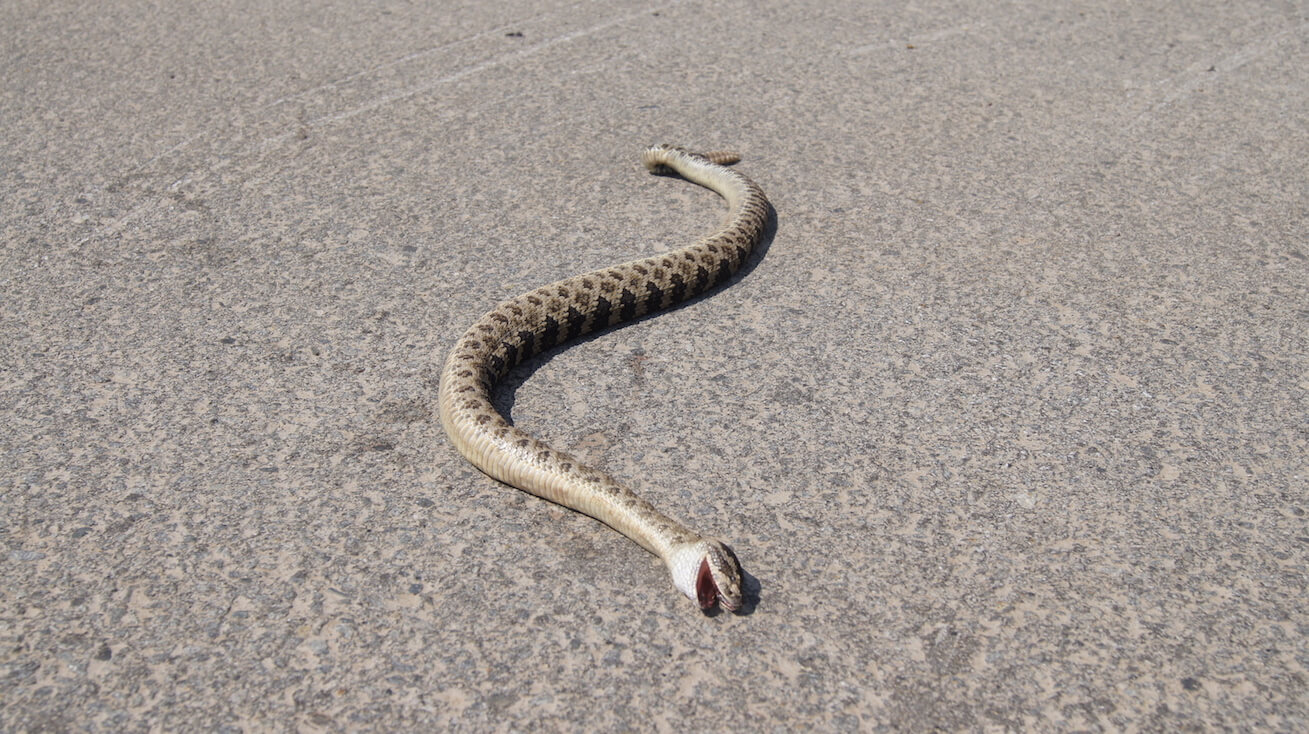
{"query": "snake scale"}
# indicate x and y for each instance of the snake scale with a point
(703, 569)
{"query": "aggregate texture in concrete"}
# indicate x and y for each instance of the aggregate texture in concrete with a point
(1007, 423)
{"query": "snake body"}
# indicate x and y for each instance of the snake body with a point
(703, 569)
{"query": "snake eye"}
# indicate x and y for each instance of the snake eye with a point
(706, 591)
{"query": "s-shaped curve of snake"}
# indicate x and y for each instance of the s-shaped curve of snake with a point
(705, 570)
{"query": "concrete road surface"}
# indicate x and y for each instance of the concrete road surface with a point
(1008, 424)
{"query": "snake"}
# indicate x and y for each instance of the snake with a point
(706, 570)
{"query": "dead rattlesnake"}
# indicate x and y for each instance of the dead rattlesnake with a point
(705, 570)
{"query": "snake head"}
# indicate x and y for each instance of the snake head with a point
(708, 573)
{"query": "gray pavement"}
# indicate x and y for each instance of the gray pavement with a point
(1008, 425)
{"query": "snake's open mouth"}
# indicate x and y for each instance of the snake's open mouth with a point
(706, 591)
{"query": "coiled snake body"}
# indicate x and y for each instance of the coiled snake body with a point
(705, 570)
